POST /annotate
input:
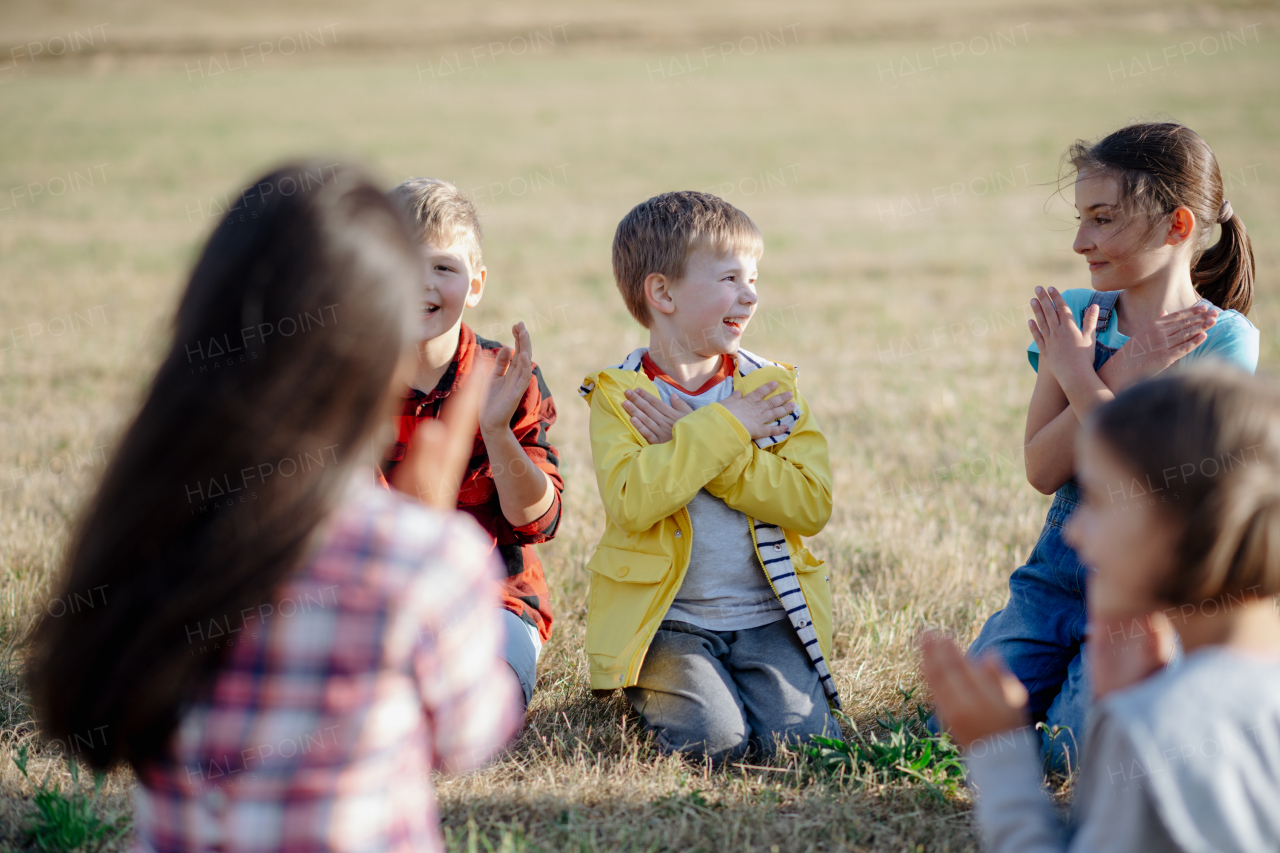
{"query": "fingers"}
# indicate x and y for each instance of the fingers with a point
(644, 425)
(1199, 309)
(1191, 343)
(1060, 307)
(420, 474)
(778, 410)
(1041, 322)
(1187, 333)
(523, 372)
(501, 363)
(461, 414)
(1169, 323)
(1012, 691)
(760, 393)
(439, 451)
(652, 406)
(943, 668)
(1089, 327)
(1045, 310)
(680, 405)
(524, 344)
(638, 415)
(646, 431)
(1035, 333)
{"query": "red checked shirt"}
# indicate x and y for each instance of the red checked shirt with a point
(524, 592)
(376, 664)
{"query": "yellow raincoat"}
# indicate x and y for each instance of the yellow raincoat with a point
(784, 489)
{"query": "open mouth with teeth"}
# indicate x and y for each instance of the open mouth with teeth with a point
(735, 323)
(429, 310)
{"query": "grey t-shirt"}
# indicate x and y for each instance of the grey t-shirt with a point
(1187, 760)
(725, 587)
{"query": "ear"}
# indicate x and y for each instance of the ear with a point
(657, 292)
(476, 288)
(1182, 224)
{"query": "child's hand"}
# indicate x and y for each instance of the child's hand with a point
(651, 417)
(974, 700)
(439, 450)
(1159, 344)
(1066, 350)
(506, 383)
(1125, 650)
(758, 414)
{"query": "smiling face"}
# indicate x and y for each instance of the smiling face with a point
(1125, 532)
(708, 309)
(1121, 247)
(449, 287)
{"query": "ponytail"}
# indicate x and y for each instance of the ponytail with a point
(1224, 273)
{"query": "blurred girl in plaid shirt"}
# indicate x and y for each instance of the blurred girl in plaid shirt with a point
(286, 651)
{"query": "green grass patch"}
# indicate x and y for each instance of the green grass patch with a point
(900, 749)
(67, 822)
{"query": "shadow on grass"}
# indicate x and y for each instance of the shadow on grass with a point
(584, 777)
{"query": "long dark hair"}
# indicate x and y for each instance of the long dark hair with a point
(1162, 166)
(285, 343)
(1209, 441)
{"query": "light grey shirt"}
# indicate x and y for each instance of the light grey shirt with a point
(1187, 760)
(725, 587)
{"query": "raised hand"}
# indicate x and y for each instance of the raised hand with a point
(506, 383)
(1159, 344)
(757, 411)
(439, 450)
(1066, 350)
(651, 417)
(973, 700)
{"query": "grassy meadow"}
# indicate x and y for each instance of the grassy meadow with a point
(906, 191)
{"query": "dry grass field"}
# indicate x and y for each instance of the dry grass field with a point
(900, 160)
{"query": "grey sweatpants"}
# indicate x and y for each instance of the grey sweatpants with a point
(721, 693)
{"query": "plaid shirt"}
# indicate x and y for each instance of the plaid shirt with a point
(524, 592)
(377, 663)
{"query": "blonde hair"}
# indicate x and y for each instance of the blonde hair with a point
(1211, 436)
(658, 236)
(441, 214)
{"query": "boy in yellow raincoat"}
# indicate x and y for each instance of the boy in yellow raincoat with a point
(705, 605)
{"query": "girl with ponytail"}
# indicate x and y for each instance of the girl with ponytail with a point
(1181, 521)
(1164, 294)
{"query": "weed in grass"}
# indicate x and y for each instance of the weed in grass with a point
(474, 841)
(65, 823)
(693, 803)
(902, 750)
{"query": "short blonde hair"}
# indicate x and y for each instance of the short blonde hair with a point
(660, 234)
(440, 213)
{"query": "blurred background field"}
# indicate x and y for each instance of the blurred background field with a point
(900, 159)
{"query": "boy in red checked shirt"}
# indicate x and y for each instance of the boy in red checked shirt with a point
(512, 485)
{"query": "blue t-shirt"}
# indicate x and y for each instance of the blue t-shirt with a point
(1233, 338)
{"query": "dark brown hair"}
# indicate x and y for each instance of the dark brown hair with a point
(658, 236)
(284, 344)
(1211, 436)
(1162, 166)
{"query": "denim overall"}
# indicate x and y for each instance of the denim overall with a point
(1040, 633)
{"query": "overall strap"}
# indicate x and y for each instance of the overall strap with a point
(1106, 302)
